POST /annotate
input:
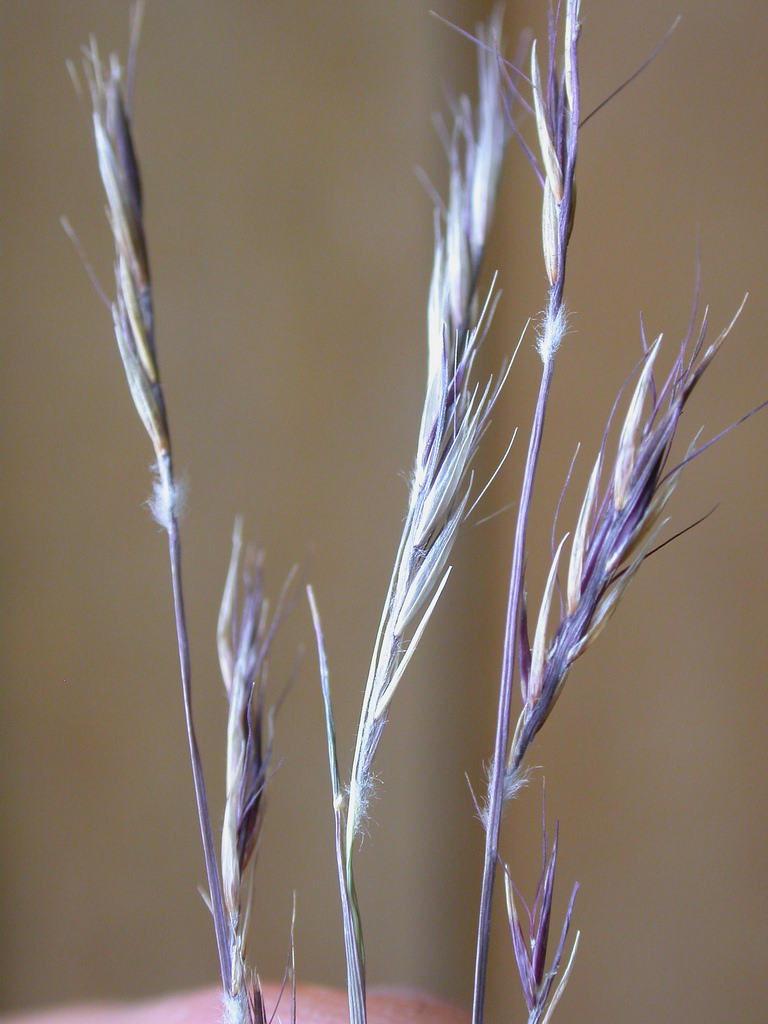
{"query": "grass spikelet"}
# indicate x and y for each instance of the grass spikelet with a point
(615, 533)
(243, 645)
(134, 332)
(454, 418)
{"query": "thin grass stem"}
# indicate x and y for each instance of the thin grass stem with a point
(201, 799)
(501, 741)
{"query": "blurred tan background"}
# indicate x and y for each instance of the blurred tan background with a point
(291, 251)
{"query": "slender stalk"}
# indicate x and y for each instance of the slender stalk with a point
(353, 948)
(501, 742)
(133, 320)
(556, 112)
(201, 799)
(454, 418)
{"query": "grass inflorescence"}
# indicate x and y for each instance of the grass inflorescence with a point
(619, 522)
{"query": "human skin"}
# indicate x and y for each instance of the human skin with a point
(314, 1005)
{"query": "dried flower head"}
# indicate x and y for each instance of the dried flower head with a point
(132, 309)
(454, 418)
(242, 645)
(555, 104)
(531, 951)
(244, 637)
(613, 534)
(455, 412)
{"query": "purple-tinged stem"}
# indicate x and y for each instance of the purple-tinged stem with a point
(201, 799)
(557, 116)
(498, 764)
